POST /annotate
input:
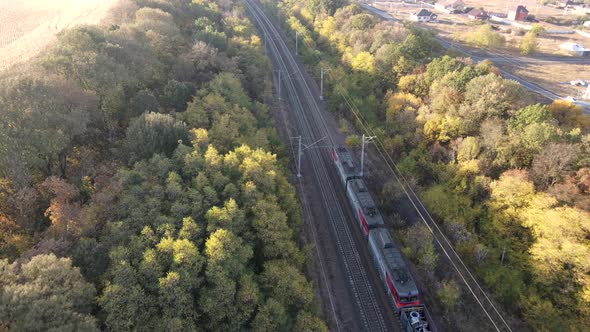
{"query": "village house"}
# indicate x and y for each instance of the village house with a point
(450, 7)
(574, 49)
(520, 14)
(477, 14)
(423, 15)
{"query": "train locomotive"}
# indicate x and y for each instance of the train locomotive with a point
(366, 213)
(393, 271)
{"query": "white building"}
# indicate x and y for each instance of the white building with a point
(451, 6)
(575, 49)
(423, 15)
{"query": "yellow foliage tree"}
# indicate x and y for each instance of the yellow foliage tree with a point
(365, 62)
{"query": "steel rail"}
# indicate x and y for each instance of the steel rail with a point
(364, 294)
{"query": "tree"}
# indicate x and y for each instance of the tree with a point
(511, 193)
(364, 62)
(353, 141)
(553, 163)
(529, 43)
(569, 115)
(39, 124)
(144, 102)
(154, 133)
(45, 293)
(283, 282)
(317, 7)
(175, 95)
(306, 322)
(228, 252)
(273, 232)
(536, 113)
(362, 22)
(538, 29)
(469, 149)
(64, 209)
(218, 301)
(439, 67)
(449, 294)
(485, 36)
(419, 246)
(271, 316)
(85, 56)
(490, 95)
(162, 33)
(13, 240)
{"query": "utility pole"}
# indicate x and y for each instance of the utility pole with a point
(265, 43)
(280, 84)
(299, 153)
(366, 139)
(322, 84)
(302, 147)
(296, 42)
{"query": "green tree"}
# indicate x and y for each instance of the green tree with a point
(40, 124)
(353, 141)
(45, 293)
(306, 322)
(175, 95)
(469, 149)
(536, 113)
(449, 294)
(529, 43)
(154, 133)
(283, 282)
(485, 36)
(228, 252)
(144, 102)
(362, 22)
(272, 316)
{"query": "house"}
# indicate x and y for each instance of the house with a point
(520, 14)
(423, 15)
(451, 6)
(575, 49)
(587, 24)
(477, 14)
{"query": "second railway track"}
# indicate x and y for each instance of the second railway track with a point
(311, 124)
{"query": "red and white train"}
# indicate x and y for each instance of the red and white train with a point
(393, 271)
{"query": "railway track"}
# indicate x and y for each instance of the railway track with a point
(310, 124)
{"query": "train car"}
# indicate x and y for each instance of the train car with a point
(365, 211)
(393, 271)
(344, 164)
(416, 319)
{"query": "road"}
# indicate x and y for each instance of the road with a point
(497, 56)
(372, 311)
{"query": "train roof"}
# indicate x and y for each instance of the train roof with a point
(367, 203)
(400, 276)
(346, 160)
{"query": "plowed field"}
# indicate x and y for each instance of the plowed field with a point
(27, 27)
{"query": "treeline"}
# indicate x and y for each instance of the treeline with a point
(506, 178)
(139, 182)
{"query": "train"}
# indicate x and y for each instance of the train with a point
(366, 213)
(401, 289)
